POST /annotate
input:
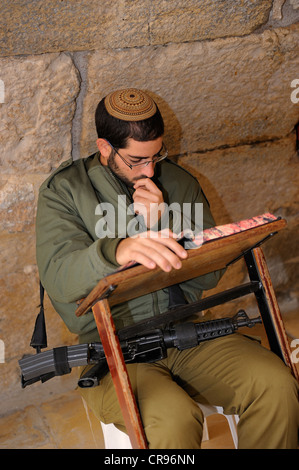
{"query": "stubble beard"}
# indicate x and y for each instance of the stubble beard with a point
(119, 174)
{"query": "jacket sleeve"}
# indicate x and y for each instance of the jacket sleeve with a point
(70, 260)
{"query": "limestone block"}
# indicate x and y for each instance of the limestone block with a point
(249, 180)
(59, 423)
(16, 205)
(193, 20)
(18, 200)
(19, 306)
(211, 94)
(36, 116)
(19, 283)
(29, 426)
(53, 25)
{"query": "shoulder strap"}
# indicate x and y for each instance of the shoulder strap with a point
(39, 337)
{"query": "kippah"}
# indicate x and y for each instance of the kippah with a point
(130, 105)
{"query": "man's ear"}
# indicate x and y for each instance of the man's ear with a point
(104, 148)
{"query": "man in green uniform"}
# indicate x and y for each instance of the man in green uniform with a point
(78, 244)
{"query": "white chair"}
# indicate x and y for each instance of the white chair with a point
(116, 439)
(231, 419)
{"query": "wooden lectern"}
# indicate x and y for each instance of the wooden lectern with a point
(214, 254)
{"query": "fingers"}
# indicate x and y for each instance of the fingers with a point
(148, 184)
(148, 201)
(152, 253)
(144, 196)
(146, 189)
(152, 249)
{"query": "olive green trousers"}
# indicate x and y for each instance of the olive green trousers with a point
(234, 372)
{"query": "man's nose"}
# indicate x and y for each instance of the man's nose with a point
(149, 170)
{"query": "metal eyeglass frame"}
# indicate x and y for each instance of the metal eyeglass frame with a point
(154, 160)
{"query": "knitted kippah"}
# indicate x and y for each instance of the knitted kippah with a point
(130, 105)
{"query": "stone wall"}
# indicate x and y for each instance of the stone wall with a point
(222, 73)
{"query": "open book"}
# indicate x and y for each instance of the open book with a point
(215, 248)
(220, 231)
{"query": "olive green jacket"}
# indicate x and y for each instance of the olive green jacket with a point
(71, 254)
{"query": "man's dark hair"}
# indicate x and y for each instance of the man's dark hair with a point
(117, 131)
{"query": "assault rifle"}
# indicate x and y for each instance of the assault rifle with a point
(150, 346)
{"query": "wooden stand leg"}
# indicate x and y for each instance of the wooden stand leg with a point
(119, 373)
(269, 308)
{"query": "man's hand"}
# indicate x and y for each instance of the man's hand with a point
(152, 249)
(148, 201)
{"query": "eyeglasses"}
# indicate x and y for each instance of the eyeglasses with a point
(161, 155)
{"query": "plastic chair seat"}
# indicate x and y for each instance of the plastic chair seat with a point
(116, 439)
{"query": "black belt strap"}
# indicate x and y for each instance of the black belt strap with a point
(176, 296)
